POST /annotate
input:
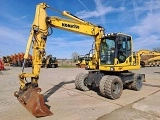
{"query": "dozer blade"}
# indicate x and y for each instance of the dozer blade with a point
(34, 102)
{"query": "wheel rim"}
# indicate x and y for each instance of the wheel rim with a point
(85, 81)
(139, 82)
(116, 88)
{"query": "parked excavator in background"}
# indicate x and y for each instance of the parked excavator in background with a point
(86, 61)
(7, 60)
(89, 64)
(147, 57)
(112, 60)
(49, 62)
(83, 60)
(152, 62)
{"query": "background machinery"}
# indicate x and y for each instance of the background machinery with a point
(83, 60)
(112, 60)
(1, 65)
(149, 58)
(7, 60)
(49, 62)
(16, 60)
(89, 64)
(151, 62)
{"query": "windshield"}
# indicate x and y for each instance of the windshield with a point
(107, 51)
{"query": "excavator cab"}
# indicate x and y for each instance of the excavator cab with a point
(116, 50)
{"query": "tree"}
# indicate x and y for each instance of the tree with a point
(75, 56)
(156, 49)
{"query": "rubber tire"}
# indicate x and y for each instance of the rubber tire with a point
(87, 67)
(106, 86)
(138, 82)
(142, 64)
(53, 66)
(79, 82)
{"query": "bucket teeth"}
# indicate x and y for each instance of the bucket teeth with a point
(34, 102)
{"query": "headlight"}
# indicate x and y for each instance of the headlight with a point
(111, 68)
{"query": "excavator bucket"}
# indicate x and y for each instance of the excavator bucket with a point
(34, 102)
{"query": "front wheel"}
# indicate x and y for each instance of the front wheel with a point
(81, 82)
(87, 67)
(53, 66)
(111, 86)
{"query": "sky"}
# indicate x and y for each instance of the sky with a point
(138, 18)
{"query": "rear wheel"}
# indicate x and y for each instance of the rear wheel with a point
(142, 64)
(111, 86)
(138, 82)
(87, 67)
(81, 82)
(53, 66)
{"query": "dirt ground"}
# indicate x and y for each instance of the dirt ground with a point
(67, 103)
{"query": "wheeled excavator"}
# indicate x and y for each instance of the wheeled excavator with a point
(113, 59)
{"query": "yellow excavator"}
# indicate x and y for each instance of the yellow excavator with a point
(85, 61)
(112, 60)
(81, 61)
(148, 53)
(88, 62)
(152, 62)
(155, 61)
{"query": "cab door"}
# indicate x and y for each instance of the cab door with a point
(124, 50)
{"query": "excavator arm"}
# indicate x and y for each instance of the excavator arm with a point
(28, 94)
